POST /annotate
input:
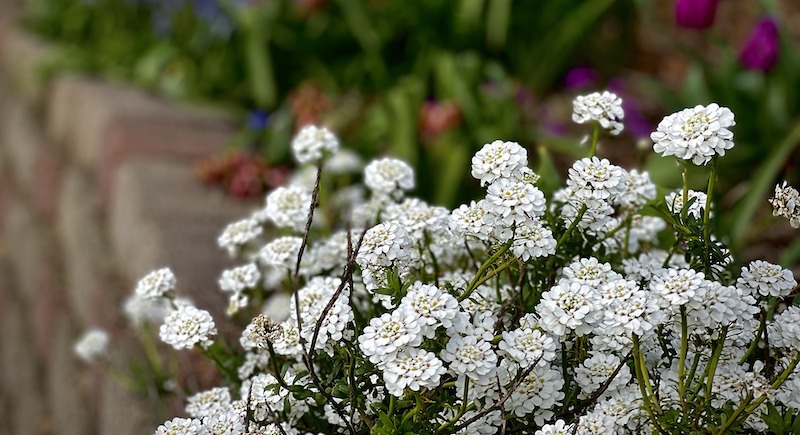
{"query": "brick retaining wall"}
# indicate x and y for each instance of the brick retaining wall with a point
(96, 190)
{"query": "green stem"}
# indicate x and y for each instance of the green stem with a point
(747, 408)
(595, 140)
(712, 367)
(564, 236)
(706, 217)
(461, 411)
(757, 339)
(682, 358)
(483, 269)
(645, 388)
(735, 416)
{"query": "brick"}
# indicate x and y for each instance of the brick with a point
(21, 376)
(88, 269)
(22, 141)
(179, 140)
(23, 57)
(122, 411)
(69, 383)
(47, 184)
(161, 216)
(81, 110)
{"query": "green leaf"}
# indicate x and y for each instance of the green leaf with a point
(742, 213)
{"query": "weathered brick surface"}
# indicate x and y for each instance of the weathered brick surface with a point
(87, 263)
(21, 377)
(80, 112)
(160, 216)
(80, 109)
(96, 189)
(186, 139)
(123, 412)
(22, 58)
(22, 142)
(69, 384)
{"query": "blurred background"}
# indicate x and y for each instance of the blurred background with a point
(135, 129)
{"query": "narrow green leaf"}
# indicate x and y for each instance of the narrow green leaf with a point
(761, 183)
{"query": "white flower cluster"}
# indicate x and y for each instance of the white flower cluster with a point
(187, 327)
(556, 306)
(604, 108)
(786, 203)
(698, 134)
(92, 345)
(314, 143)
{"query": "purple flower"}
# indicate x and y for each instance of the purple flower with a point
(695, 14)
(580, 77)
(257, 120)
(760, 50)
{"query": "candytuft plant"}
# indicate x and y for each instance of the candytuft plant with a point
(605, 307)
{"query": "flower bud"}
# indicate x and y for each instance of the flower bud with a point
(695, 14)
(760, 50)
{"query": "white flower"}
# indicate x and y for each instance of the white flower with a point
(433, 307)
(140, 311)
(417, 217)
(784, 331)
(647, 263)
(240, 278)
(288, 340)
(638, 190)
(786, 204)
(676, 287)
(314, 297)
(470, 356)
(92, 345)
(766, 279)
(182, 426)
(675, 203)
(344, 161)
(539, 391)
(288, 207)
(568, 305)
(605, 108)
(187, 327)
(598, 179)
(281, 252)
(238, 234)
(590, 271)
(697, 134)
(210, 402)
(413, 369)
(514, 201)
(388, 334)
(597, 217)
(595, 371)
(527, 345)
(226, 423)
(156, 284)
(385, 245)
(560, 427)
(313, 143)
(499, 160)
(532, 239)
(261, 331)
(389, 177)
(468, 220)
(330, 254)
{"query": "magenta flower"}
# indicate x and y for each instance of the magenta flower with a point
(580, 77)
(695, 14)
(760, 50)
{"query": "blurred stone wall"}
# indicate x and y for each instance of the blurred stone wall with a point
(96, 190)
